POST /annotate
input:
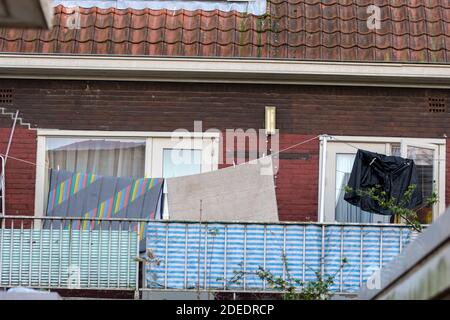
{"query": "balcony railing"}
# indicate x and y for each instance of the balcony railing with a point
(194, 256)
(69, 253)
(74, 253)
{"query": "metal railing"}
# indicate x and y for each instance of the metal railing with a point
(207, 256)
(69, 253)
(105, 254)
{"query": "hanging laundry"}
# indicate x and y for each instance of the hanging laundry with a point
(242, 193)
(86, 195)
(391, 174)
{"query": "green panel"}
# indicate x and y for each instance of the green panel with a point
(44, 258)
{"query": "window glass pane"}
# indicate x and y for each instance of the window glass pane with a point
(346, 212)
(181, 162)
(177, 163)
(396, 150)
(424, 160)
(108, 157)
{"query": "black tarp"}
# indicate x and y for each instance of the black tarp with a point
(389, 173)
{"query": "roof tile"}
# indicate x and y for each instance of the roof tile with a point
(435, 43)
(118, 47)
(157, 21)
(192, 22)
(174, 20)
(102, 35)
(398, 14)
(223, 38)
(103, 21)
(30, 35)
(411, 31)
(65, 46)
(46, 46)
(122, 19)
(436, 56)
(139, 21)
(224, 50)
(84, 47)
(101, 47)
(418, 56)
(137, 36)
(156, 49)
(209, 50)
(418, 43)
(120, 36)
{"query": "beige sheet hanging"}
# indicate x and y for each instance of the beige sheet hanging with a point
(242, 193)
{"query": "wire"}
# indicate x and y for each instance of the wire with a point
(22, 160)
(269, 155)
(415, 158)
(280, 151)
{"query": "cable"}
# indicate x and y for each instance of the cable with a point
(22, 160)
(415, 158)
(280, 151)
(269, 155)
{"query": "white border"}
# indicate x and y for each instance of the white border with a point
(124, 134)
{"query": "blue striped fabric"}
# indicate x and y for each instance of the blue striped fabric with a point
(208, 255)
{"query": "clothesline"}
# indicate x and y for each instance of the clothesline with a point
(24, 161)
(272, 154)
(275, 153)
(415, 158)
(280, 151)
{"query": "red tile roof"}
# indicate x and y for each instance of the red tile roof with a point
(411, 31)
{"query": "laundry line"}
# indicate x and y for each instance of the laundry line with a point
(356, 148)
(268, 155)
(25, 161)
(280, 151)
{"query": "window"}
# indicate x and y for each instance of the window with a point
(181, 162)
(122, 154)
(107, 157)
(177, 163)
(428, 155)
(345, 212)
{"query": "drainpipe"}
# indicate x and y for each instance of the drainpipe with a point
(323, 138)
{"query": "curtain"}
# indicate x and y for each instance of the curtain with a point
(113, 157)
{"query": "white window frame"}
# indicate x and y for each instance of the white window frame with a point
(207, 141)
(440, 169)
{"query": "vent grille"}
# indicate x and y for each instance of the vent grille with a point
(437, 104)
(6, 97)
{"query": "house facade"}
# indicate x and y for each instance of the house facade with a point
(105, 88)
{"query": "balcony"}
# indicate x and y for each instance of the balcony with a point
(93, 254)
